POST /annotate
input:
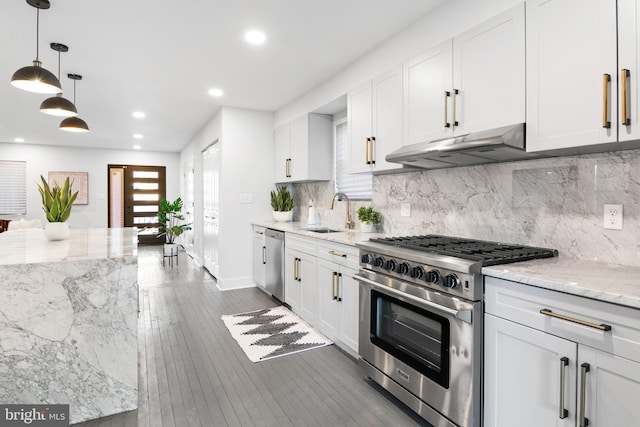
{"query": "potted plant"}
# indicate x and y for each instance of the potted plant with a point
(368, 218)
(169, 216)
(282, 204)
(56, 203)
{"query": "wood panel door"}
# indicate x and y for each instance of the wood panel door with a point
(135, 193)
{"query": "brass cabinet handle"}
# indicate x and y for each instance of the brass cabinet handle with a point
(606, 78)
(562, 412)
(372, 158)
(299, 270)
(366, 151)
(625, 74)
(340, 254)
(453, 106)
(446, 114)
(601, 327)
(339, 291)
(295, 269)
(333, 285)
(582, 419)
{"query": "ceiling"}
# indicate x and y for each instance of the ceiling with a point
(161, 57)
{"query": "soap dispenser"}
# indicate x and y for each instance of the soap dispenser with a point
(311, 220)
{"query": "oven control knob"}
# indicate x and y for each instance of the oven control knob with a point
(450, 281)
(367, 259)
(403, 268)
(417, 272)
(390, 265)
(378, 262)
(432, 276)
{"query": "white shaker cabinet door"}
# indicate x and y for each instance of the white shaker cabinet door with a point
(522, 376)
(359, 110)
(571, 73)
(628, 69)
(489, 74)
(282, 155)
(387, 118)
(427, 85)
(611, 386)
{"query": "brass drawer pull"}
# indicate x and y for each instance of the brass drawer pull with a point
(625, 74)
(338, 254)
(606, 78)
(601, 327)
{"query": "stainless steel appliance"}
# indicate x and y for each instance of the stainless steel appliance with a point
(274, 263)
(421, 320)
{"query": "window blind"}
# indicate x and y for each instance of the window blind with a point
(356, 186)
(13, 187)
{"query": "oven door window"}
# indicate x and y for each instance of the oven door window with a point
(417, 337)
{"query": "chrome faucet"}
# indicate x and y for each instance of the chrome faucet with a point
(348, 223)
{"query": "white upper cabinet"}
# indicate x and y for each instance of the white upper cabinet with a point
(375, 122)
(476, 81)
(628, 59)
(572, 76)
(304, 149)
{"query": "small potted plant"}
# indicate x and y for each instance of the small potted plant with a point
(169, 216)
(282, 204)
(56, 203)
(368, 218)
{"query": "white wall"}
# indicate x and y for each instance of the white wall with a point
(453, 17)
(44, 158)
(246, 167)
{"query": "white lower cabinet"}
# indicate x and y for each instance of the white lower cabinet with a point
(544, 370)
(259, 253)
(338, 304)
(300, 281)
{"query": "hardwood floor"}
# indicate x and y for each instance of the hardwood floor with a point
(192, 372)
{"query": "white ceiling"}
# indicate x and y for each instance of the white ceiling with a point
(162, 56)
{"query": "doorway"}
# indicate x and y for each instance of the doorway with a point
(211, 221)
(134, 194)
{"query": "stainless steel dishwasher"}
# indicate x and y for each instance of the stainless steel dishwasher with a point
(274, 280)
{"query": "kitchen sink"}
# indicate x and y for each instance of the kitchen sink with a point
(322, 230)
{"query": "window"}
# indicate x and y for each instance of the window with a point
(13, 182)
(356, 186)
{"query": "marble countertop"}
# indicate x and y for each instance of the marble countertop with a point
(32, 247)
(618, 284)
(347, 237)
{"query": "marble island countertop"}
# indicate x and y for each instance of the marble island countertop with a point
(618, 284)
(347, 237)
(32, 247)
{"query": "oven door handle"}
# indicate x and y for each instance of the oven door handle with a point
(464, 315)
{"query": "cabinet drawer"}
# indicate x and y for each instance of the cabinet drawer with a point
(340, 254)
(523, 304)
(300, 243)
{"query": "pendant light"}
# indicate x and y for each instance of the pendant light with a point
(34, 78)
(57, 105)
(74, 124)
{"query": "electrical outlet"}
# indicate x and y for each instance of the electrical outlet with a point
(246, 198)
(613, 217)
(405, 210)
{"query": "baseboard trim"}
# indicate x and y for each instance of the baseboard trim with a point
(237, 283)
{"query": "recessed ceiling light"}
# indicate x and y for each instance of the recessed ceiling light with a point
(216, 92)
(138, 136)
(139, 115)
(19, 140)
(137, 147)
(255, 37)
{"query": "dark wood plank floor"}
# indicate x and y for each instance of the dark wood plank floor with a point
(192, 372)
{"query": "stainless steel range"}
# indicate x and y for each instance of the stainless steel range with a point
(421, 320)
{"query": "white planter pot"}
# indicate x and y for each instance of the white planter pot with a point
(282, 216)
(366, 228)
(56, 231)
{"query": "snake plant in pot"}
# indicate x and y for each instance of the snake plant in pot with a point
(282, 204)
(56, 203)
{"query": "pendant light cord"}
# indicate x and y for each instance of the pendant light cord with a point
(38, 35)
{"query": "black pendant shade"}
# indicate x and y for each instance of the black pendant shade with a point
(74, 124)
(34, 78)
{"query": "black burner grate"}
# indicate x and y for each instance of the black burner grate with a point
(488, 253)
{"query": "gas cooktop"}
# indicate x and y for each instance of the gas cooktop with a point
(482, 251)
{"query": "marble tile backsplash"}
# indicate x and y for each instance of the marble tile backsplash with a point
(556, 202)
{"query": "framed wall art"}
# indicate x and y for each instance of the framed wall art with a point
(80, 183)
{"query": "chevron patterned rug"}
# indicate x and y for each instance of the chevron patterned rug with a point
(272, 332)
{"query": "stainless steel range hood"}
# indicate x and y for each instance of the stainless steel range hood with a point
(503, 144)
